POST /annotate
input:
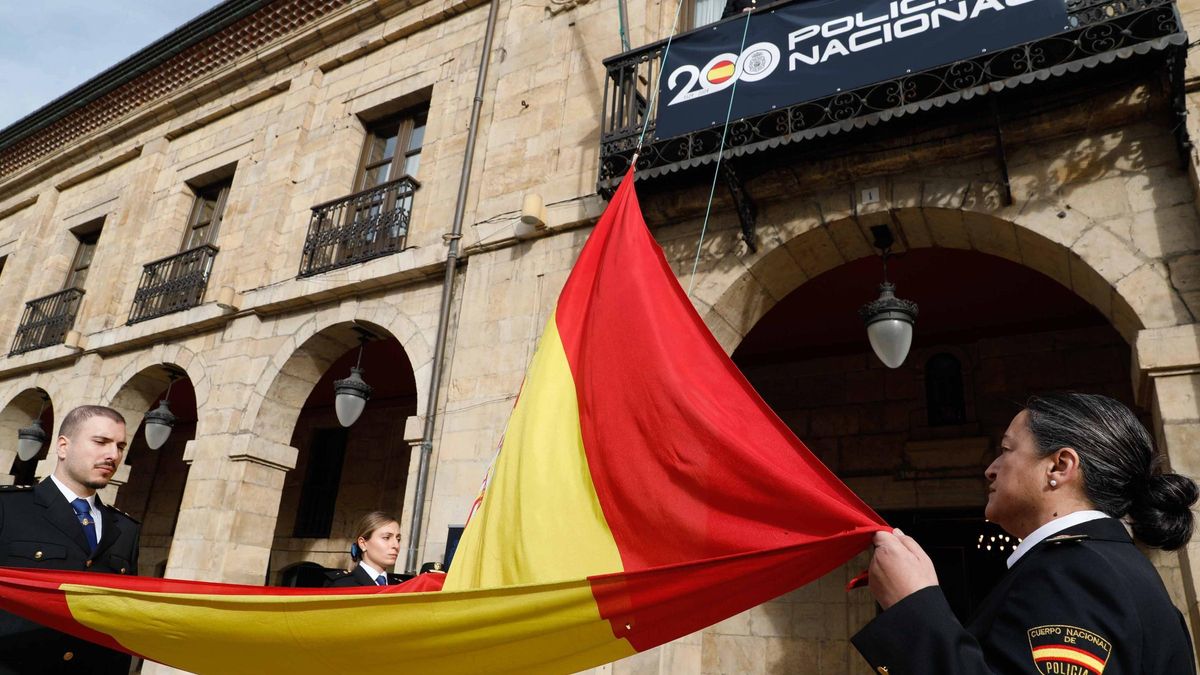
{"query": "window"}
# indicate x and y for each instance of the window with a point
(944, 398)
(393, 149)
(207, 210)
(87, 236)
(705, 12)
(318, 495)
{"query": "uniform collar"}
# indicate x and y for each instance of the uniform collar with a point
(71, 496)
(1051, 528)
(374, 573)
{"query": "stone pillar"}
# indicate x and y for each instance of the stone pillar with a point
(226, 523)
(413, 430)
(1166, 375)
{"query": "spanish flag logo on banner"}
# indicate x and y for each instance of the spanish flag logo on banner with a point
(642, 492)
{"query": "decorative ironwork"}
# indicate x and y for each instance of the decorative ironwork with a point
(358, 227)
(173, 284)
(46, 321)
(1100, 30)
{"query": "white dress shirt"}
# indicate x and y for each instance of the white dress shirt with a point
(372, 572)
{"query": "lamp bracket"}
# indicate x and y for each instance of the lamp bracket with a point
(883, 238)
(364, 335)
(746, 209)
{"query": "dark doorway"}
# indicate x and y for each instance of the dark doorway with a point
(968, 552)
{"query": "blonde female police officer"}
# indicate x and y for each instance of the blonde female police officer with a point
(374, 551)
(1079, 598)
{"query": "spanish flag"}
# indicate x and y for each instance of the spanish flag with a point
(642, 492)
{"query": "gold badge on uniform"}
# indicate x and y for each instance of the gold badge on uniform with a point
(1067, 650)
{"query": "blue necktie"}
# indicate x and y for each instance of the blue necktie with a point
(381, 580)
(84, 512)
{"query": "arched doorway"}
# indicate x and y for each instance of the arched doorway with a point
(913, 442)
(341, 473)
(27, 406)
(156, 478)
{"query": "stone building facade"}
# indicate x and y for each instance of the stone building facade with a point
(260, 112)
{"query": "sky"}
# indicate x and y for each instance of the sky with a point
(48, 47)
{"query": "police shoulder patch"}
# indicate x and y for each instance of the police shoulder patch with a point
(1067, 650)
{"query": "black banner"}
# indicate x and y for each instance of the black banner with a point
(809, 49)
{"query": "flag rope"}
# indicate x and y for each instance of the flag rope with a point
(657, 83)
(720, 153)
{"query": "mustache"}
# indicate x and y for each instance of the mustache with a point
(109, 464)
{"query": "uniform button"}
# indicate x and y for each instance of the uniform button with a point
(68, 656)
(37, 556)
(87, 564)
(122, 570)
(882, 670)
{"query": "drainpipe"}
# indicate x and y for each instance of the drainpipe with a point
(439, 351)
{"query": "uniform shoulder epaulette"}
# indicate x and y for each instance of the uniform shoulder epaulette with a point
(334, 575)
(110, 506)
(1065, 538)
(15, 488)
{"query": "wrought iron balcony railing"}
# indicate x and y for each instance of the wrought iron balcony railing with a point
(358, 227)
(173, 284)
(46, 321)
(1099, 31)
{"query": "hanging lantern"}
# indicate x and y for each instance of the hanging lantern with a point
(351, 394)
(889, 319)
(159, 422)
(30, 440)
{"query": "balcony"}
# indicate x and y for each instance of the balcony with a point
(359, 227)
(1097, 32)
(46, 321)
(173, 284)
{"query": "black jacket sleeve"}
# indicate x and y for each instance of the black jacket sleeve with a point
(1067, 608)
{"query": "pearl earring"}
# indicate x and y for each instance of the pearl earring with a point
(1053, 483)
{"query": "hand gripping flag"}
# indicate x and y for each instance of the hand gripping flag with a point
(642, 492)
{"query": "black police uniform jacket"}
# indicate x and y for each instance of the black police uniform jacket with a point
(358, 577)
(1082, 602)
(39, 530)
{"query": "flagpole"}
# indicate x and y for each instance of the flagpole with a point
(439, 352)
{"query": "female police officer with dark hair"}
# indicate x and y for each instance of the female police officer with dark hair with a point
(1079, 598)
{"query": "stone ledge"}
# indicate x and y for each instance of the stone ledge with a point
(409, 265)
(188, 322)
(248, 448)
(1171, 348)
(38, 359)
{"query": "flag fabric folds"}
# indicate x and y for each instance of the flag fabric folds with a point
(643, 491)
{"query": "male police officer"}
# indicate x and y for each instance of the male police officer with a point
(61, 524)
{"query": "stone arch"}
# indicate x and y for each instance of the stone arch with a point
(282, 392)
(300, 362)
(140, 382)
(1129, 288)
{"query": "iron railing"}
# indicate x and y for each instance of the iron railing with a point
(46, 321)
(173, 284)
(358, 227)
(1099, 30)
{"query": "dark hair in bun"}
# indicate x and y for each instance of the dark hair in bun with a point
(1121, 473)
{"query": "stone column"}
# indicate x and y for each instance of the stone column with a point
(1166, 374)
(227, 518)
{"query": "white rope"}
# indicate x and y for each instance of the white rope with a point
(720, 153)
